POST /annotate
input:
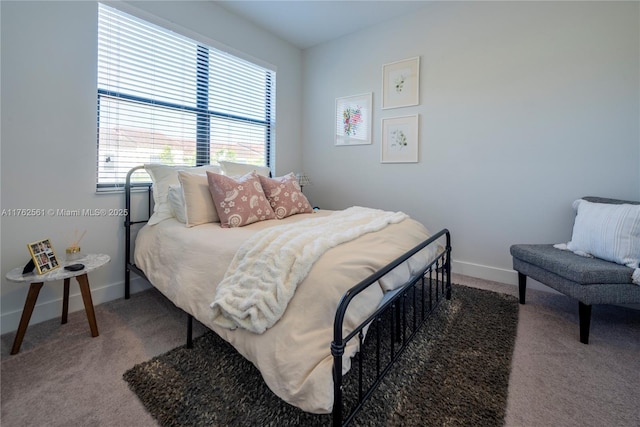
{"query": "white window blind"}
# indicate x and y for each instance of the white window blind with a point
(164, 98)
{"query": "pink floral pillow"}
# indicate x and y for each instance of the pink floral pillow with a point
(285, 195)
(239, 201)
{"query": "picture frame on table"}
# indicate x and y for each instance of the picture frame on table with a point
(43, 256)
(401, 83)
(353, 120)
(400, 139)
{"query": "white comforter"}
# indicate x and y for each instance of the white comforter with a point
(293, 356)
(266, 270)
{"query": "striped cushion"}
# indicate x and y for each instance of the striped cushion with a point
(607, 231)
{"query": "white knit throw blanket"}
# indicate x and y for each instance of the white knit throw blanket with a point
(267, 269)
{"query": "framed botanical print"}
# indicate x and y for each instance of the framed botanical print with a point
(353, 120)
(401, 83)
(400, 140)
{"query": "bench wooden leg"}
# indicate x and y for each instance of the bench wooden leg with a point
(584, 312)
(522, 286)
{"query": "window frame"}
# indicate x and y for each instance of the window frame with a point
(204, 115)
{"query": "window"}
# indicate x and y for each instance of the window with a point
(164, 98)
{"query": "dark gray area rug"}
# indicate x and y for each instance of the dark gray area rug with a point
(455, 373)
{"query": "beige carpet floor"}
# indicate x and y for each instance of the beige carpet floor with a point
(63, 377)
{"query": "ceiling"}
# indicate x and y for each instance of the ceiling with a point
(308, 23)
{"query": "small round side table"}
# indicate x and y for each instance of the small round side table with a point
(91, 262)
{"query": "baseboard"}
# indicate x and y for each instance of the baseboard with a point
(494, 274)
(484, 272)
(52, 309)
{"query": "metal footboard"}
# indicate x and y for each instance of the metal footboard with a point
(406, 311)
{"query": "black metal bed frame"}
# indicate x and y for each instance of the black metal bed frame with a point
(424, 290)
(130, 266)
(406, 312)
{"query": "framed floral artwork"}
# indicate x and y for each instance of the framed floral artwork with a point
(400, 140)
(401, 83)
(353, 120)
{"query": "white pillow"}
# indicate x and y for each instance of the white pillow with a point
(164, 176)
(236, 170)
(176, 201)
(607, 231)
(198, 203)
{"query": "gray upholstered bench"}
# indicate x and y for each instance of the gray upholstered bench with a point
(589, 280)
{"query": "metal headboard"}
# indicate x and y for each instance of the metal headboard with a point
(129, 264)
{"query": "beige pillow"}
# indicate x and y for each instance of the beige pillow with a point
(239, 201)
(235, 170)
(198, 204)
(163, 177)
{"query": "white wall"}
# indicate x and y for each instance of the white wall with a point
(48, 129)
(525, 106)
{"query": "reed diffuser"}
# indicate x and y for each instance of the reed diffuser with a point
(73, 250)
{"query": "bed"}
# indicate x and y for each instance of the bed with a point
(306, 352)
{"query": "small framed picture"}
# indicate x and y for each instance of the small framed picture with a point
(353, 120)
(400, 140)
(43, 256)
(401, 83)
